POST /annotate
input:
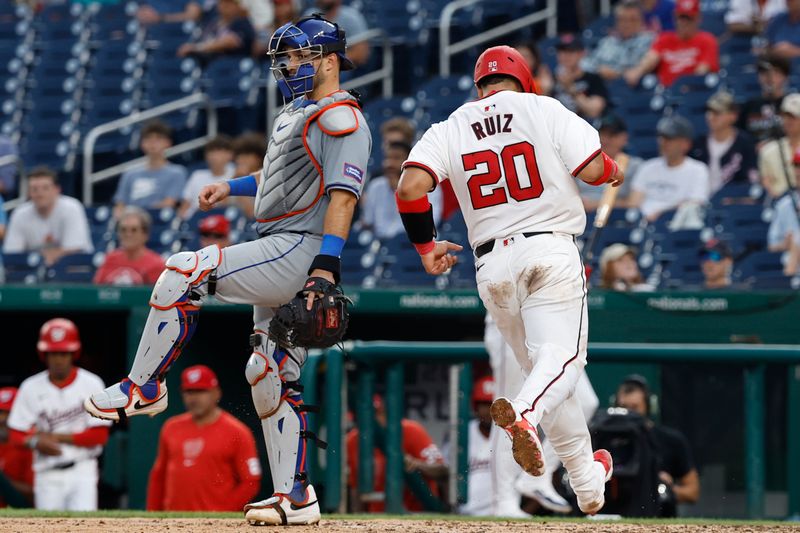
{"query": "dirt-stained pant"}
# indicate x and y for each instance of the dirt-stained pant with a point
(534, 288)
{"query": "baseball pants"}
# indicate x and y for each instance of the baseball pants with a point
(70, 489)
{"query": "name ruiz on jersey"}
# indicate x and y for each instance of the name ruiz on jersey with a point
(493, 125)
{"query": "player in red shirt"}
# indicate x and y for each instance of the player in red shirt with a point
(683, 52)
(132, 263)
(207, 458)
(420, 452)
(16, 462)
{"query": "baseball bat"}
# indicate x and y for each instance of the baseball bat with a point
(603, 211)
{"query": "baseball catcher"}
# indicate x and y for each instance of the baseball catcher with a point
(305, 196)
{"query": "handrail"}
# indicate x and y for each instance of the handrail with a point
(90, 177)
(385, 73)
(448, 49)
(22, 194)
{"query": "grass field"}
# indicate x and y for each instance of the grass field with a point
(29, 520)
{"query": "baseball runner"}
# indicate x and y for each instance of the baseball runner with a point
(509, 380)
(511, 157)
(304, 200)
(48, 417)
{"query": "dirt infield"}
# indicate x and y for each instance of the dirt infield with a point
(202, 525)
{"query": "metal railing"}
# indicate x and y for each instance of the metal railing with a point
(22, 193)
(448, 49)
(90, 178)
(393, 356)
(384, 74)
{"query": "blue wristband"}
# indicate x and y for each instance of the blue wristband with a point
(331, 245)
(245, 186)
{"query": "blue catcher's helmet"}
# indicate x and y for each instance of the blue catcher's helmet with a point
(310, 38)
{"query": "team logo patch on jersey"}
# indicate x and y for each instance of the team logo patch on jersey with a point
(353, 172)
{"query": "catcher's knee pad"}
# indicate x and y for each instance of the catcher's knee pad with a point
(174, 303)
(265, 384)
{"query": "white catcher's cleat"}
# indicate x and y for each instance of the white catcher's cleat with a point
(541, 489)
(281, 510)
(124, 399)
(525, 443)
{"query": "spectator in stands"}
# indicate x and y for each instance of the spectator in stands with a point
(8, 171)
(218, 154)
(625, 47)
(3, 220)
(352, 22)
(155, 11)
(228, 33)
(248, 157)
(397, 130)
(760, 115)
(16, 462)
(676, 466)
(619, 270)
(49, 222)
(420, 454)
(541, 71)
(659, 15)
(613, 138)
(748, 17)
(582, 92)
(729, 153)
(783, 31)
(716, 263)
(775, 157)
(207, 459)
(784, 228)
(160, 183)
(673, 179)
(133, 263)
(214, 229)
(683, 52)
(377, 213)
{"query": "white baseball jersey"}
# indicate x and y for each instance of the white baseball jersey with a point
(43, 406)
(511, 158)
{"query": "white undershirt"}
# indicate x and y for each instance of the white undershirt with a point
(716, 150)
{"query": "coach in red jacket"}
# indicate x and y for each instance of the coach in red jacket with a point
(207, 459)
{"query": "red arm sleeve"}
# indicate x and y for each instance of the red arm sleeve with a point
(247, 468)
(155, 487)
(419, 444)
(18, 437)
(96, 436)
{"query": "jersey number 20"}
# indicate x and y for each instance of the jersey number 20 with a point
(508, 158)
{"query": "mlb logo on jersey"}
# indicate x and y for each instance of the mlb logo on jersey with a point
(489, 108)
(353, 172)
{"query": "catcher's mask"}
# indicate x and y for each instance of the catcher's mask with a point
(294, 47)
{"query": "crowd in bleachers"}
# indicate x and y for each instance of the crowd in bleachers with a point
(695, 96)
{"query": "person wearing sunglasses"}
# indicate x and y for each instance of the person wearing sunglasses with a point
(716, 263)
(132, 263)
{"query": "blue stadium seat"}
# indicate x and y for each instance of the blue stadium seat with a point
(23, 267)
(759, 266)
(73, 268)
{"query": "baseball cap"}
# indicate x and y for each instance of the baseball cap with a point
(7, 395)
(771, 61)
(198, 377)
(721, 101)
(791, 104)
(569, 41)
(484, 390)
(716, 246)
(215, 224)
(690, 8)
(675, 127)
(613, 253)
(613, 123)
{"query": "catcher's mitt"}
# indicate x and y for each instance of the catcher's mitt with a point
(323, 326)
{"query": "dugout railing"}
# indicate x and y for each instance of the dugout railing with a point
(391, 358)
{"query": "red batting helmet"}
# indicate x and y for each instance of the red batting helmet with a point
(59, 335)
(505, 60)
(483, 391)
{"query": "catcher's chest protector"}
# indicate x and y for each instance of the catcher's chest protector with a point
(291, 182)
